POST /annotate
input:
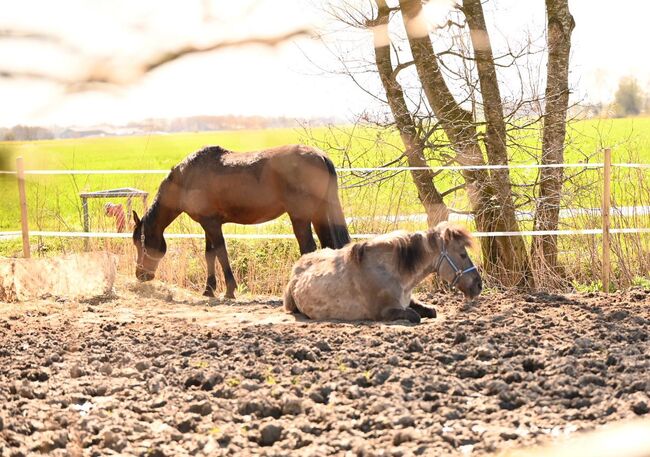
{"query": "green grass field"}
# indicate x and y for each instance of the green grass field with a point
(54, 203)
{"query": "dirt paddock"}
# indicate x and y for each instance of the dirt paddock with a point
(152, 370)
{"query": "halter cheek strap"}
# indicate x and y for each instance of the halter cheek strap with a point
(458, 273)
(145, 253)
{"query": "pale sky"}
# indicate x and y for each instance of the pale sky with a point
(609, 42)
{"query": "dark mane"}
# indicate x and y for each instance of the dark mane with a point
(410, 251)
(330, 166)
(200, 158)
(153, 210)
(208, 151)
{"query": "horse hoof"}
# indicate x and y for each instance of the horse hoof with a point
(229, 295)
(412, 316)
(430, 312)
(208, 293)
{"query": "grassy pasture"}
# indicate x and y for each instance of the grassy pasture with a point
(55, 205)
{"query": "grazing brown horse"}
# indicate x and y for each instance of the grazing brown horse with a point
(373, 279)
(215, 186)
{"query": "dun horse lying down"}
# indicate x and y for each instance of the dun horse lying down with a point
(373, 279)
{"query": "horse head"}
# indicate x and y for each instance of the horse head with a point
(150, 249)
(453, 264)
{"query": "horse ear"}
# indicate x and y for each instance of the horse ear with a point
(136, 219)
(458, 234)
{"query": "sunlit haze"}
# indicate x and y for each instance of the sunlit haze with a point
(256, 80)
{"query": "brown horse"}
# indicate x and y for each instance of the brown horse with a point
(374, 279)
(215, 186)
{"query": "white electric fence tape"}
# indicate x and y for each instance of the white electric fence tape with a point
(283, 236)
(346, 170)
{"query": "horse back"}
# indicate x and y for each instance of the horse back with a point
(252, 187)
(281, 159)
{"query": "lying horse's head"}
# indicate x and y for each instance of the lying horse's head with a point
(452, 263)
(150, 248)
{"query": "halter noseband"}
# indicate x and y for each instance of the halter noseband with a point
(458, 273)
(145, 253)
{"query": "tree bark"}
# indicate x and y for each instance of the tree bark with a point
(490, 194)
(495, 135)
(560, 25)
(413, 142)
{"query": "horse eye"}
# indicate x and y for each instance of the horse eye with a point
(463, 255)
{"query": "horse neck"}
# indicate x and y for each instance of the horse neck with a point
(158, 217)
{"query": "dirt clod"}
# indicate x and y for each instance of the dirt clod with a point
(415, 346)
(269, 434)
(640, 408)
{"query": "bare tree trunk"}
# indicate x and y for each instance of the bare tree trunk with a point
(495, 135)
(560, 27)
(490, 196)
(413, 143)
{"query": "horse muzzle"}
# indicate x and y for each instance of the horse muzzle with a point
(474, 290)
(144, 275)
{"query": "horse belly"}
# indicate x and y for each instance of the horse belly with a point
(250, 202)
(246, 207)
(251, 214)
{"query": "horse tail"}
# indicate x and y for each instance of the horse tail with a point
(289, 302)
(331, 227)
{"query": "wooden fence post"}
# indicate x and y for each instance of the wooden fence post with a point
(607, 198)
(20, 175)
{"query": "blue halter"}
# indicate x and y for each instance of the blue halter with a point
(458, 273)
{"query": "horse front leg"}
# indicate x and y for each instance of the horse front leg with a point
(395, 314)
(210, 257)
(222, 255)
(218, 248)
(422, 310)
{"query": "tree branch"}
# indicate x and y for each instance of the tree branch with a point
(106, 73)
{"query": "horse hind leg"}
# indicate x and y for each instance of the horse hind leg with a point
(302, 230)
(330, 221)
(325, 234)
(330, 224)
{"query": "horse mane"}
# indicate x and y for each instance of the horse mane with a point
(154, 208)
(198, 158)
(152, 211)
(409, 249)
(357, 250)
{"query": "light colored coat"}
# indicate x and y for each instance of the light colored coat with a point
(370, 280)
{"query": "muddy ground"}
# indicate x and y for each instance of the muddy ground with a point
(158, 371)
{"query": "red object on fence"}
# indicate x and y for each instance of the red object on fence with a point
(116, 211)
